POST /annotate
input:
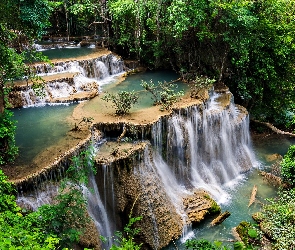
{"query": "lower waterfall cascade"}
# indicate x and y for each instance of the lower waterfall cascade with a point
(205, 147)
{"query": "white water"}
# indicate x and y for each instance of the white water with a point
(207, 148)
(89, 76)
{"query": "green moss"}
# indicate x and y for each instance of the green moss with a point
(215, 208)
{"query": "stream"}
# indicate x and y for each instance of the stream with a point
(40, 127)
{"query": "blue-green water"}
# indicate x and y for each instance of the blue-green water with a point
(133, 82)
(240, 195)
(39, 128)
(65, 53)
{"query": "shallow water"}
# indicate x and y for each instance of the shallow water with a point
(68, 52)
(133, 82)
(39, 128)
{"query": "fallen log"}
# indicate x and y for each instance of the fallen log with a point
(273, 128)
(220, 218)
(253, 195)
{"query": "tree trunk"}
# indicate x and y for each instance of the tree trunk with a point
(273, 128)
(2, 100)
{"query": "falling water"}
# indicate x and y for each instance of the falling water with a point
(88, 75)
(210, 146)
(200, 147)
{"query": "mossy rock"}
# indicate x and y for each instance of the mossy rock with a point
(248, 233)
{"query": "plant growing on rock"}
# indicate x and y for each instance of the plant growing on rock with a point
(163, 94)
(249, 235)
(122, 101)
(199, 83)
(202, 244)
(51, 226)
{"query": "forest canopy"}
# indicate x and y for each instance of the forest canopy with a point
(247, 45)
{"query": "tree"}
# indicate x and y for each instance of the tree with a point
(20, 23)
(288, 166)
(163, 94)
(248, 45)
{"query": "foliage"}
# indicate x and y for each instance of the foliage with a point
(278, 220)
(68, 217)
(203, 244)
(199, 83)
(163, 94)
(248, 45)
(7, 197)
(51, 226)
(125, 239)
(249, 234)
(122, 101)
(8, 149)
(288, 166)
(20, 230)
(21, 22)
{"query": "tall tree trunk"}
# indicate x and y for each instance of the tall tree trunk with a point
(2, 100)
(67, 20)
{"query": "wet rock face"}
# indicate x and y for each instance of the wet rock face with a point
(140, 192)
(198, 205)
(160, 222)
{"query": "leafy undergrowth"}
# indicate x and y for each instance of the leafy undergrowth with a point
(277, 220)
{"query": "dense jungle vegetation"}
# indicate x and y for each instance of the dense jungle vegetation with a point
(247, 45)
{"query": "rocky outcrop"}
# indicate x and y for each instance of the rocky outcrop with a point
(198, 205)
(139, 192)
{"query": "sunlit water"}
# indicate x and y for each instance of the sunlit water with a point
(41, 127)
(133, 82)
(68, 52)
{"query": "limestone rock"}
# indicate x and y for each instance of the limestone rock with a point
(198, 205)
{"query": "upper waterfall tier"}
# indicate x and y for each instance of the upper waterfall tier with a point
(66, 81)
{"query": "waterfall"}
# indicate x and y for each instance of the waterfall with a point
(97, 210)
(86, 76)
(207, 147)
(204, 147)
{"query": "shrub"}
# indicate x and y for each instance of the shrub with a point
(122, 101)
(163, 94)
(203, 244)
(249, 234)
(288, 166)
(278, 220)
(199, 83)
(8, 149)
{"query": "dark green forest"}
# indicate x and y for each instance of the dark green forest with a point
(247, 45)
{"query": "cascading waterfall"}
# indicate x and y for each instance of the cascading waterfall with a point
(199, 147)
(88, 76)
(208, 147)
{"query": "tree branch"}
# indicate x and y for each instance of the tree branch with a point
(273, 128)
